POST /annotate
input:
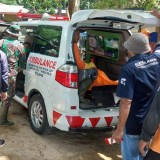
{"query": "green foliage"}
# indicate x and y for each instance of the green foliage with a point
(101, 4)
(10, 2)
(52, 11)
(38, 6)
(148, 4)
(41, 6)
(120, 4)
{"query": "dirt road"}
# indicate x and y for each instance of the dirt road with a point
(23, 144)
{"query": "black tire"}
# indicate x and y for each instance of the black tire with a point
(37, 114)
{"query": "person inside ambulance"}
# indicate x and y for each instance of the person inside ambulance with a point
(23, 57)
(20, 79)
(100, 80)
(145, 31)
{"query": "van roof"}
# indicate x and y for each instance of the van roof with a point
(120, 19)
(43, 22)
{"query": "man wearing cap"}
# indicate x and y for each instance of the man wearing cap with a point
(136, 88)
(12, 48)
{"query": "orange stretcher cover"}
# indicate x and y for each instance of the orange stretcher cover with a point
(102, 80)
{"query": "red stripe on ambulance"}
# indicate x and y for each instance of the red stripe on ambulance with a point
(108, 120)
(56, 116)
(94, 121)
(78, 122)
(75, 121)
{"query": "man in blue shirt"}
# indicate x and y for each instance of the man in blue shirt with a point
(137, 84)
(3, 83)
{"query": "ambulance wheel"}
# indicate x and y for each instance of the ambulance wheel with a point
(37, 114)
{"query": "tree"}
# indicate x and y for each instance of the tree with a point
(121, 4)
(147, 4)
(73, 6)
(101, 4)
(86, 4)
(38, 6)
(41, 6)
(9, 2)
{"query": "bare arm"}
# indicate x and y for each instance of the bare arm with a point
(124, 110)
(80, 63)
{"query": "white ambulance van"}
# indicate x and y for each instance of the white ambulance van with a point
(48, 86)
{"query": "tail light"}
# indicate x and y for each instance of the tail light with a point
(67, 76)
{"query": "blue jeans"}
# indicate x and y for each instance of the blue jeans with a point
(129, 147)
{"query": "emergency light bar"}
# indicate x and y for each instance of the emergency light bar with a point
(40, 16)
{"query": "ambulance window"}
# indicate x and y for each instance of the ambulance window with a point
(47, 40)
(27, 34)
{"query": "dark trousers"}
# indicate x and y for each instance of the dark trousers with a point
(5, 104)
(10, 92)
(151, 155)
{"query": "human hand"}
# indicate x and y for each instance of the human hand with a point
(117, 136)
(4, 95)
(143, 146)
